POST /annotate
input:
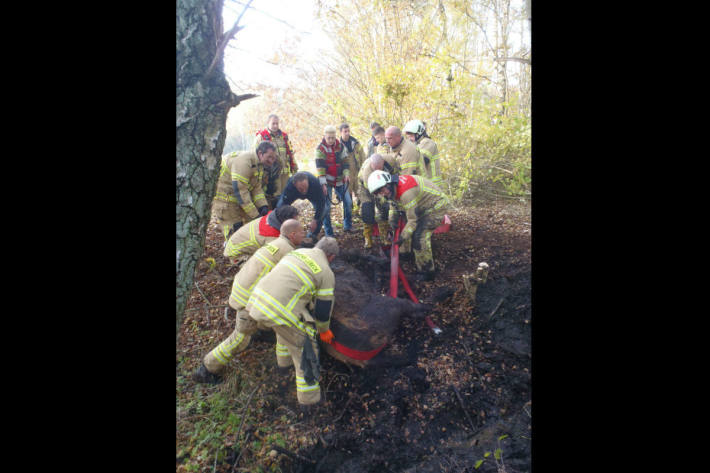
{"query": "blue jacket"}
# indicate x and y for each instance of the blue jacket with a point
(315, 195)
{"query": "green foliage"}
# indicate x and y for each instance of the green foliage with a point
(497, 454)
(416, 70)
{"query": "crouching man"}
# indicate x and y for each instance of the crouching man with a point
(296, 300)
(256, 267)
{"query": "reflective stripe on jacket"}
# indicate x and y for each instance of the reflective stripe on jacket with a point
(246, 169)
(428, 149)
(417, 196)
(256, 267)
(408, 157)
(286, 295)
(248, 238)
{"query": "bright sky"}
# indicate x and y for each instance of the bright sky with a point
(267, 25)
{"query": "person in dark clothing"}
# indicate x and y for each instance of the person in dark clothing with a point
(304, 185)
(372, 142)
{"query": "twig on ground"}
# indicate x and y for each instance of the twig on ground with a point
(291, 454)
(244, 411)
(497, 306)
(213, 307)
(203, 295)
(350, 399)
(241, 450)
(458, 395)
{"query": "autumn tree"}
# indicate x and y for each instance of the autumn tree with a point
(203, 99)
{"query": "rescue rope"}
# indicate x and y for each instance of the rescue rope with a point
(336, 196)
(396, 270)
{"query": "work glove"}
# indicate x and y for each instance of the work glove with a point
(398, 242)
(263, 210)
(327, 337)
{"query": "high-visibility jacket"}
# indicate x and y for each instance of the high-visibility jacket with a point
(429, 150)
(284, 152)
(355, 157)
(256, 267)
(417, 196)
(252, 236)
(408, 157)
(300, 282)
(246, 169)
(331, 163)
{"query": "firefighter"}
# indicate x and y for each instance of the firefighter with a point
(296, 300)
(334, 173)
(381, 146)
(372, 142)
(240, 187)
(424, 205)
(355, 157)
(405, 152)
(416, 133)
(370, 202)
(257, 233)
(256, 267)
(285, 164)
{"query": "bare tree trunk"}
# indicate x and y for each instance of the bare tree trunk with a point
(202, 103)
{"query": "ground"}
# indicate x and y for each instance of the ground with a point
(462, 404)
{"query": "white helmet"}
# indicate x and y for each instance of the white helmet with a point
(377, 180)
(414, 126)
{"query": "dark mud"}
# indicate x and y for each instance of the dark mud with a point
(458, 391)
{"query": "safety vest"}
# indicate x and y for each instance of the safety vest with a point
(332, 167)
(404, 184)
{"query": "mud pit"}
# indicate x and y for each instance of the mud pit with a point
(432, 402)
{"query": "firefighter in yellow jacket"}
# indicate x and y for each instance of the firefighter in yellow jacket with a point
(296, 300)
(404, 151)
(415, 131)
(425, 206)
(260, 231)
(355, 155)
(285, 164)
(240, 187)
(258, 265)
(370, 203)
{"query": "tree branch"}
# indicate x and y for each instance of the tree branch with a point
(517, 59)
(223, 43)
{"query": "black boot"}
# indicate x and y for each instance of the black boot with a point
(202, 375)
(409, 257)
(423, 276)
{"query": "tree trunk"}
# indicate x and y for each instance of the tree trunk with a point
(202, 103)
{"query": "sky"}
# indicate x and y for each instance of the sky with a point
(267, 25)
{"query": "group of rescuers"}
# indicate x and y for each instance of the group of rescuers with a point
(288, 288)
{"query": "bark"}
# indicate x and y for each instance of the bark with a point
(202, 103)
